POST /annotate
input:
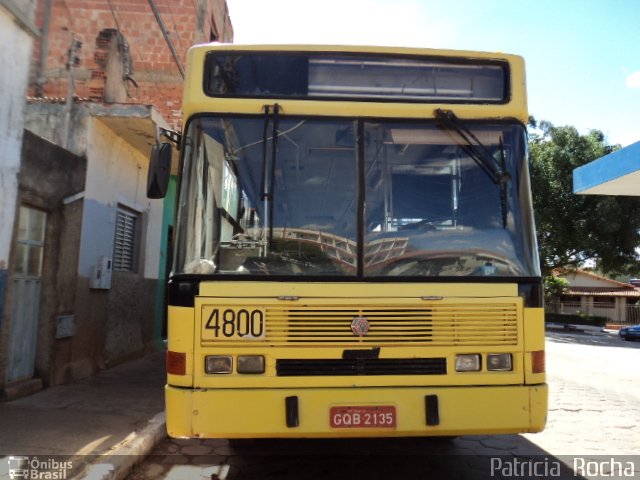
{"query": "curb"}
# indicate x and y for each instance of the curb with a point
(585, 329)
(119, 462)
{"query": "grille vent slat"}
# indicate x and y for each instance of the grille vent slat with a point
(418, 324)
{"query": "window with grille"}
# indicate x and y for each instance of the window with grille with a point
(124, 252)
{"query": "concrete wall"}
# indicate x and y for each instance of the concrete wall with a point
(16, 43)
(124, 315)
(48, 120)
(114, 324)
(116, 175)
(48, 176)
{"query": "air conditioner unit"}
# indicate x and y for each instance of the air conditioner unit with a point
(101, 275)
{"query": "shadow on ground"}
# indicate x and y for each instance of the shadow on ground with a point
(471, 457)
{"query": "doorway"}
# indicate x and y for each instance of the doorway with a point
(25, 304)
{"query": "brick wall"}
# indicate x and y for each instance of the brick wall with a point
(139, 50)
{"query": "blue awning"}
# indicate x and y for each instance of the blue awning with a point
(615, 174)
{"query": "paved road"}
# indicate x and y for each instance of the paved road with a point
(594, 419)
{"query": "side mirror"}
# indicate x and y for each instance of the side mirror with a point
(159, 170)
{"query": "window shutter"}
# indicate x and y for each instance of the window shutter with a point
(125, 241)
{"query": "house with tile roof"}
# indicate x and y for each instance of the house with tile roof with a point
(595, 295)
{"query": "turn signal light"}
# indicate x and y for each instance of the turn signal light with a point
(176, 363)
(538, 361)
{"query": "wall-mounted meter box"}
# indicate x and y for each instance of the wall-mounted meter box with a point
(101, 274)
(66, 326)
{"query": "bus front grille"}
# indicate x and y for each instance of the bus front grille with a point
(438, 324)
(361, 366)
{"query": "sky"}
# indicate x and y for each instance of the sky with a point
(582, 56)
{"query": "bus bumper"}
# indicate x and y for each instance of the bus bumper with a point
(418, 411)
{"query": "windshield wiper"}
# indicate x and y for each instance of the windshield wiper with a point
(496, 170)
(269, 172)
(504, 180)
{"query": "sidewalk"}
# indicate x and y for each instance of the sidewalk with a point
(589, 330)
(97, 428)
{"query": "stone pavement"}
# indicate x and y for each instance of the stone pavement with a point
(96, 428)
(593, 389)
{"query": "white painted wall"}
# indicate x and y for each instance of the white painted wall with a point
(15, 57)
(116, 175)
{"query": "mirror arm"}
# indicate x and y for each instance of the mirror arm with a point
(173, 136)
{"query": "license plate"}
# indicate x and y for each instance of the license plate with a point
(381, 416)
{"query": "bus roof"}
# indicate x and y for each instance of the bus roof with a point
(353, 49)
(199, 97)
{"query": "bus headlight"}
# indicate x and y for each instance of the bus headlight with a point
(468, 362)
(250, 364)
(499, 362)
(218, 364)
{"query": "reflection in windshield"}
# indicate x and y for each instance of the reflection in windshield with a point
(424, 186)
(293, 213)
(429, 210)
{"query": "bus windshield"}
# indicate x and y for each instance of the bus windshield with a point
(317, 197)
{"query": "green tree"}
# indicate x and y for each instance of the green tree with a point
(575, 228)
(554, 288)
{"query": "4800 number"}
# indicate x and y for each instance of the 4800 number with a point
(233, 323)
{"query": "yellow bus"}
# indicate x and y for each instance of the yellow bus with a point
(355, 250)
